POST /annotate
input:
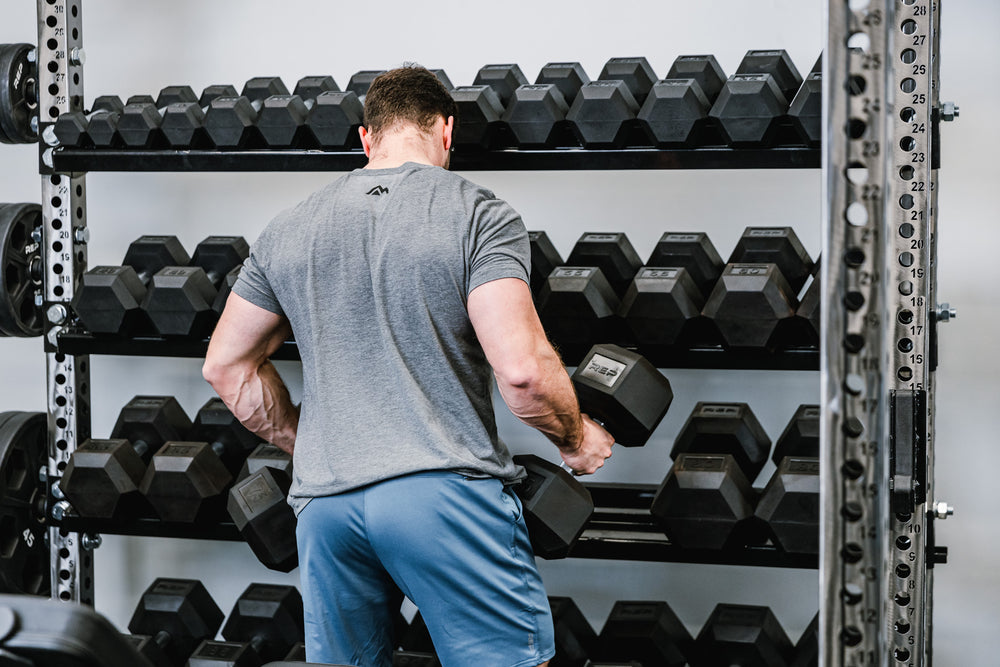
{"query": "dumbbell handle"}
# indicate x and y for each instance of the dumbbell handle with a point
(564, 465)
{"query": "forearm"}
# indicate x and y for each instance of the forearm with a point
(259, 398)
(543, 398)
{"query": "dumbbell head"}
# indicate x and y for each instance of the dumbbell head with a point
(183, 480)
(102, 128)
(775, 245)
(218, 255)
(335, 118)
(139, 125)
(225, 288)
(778, 64)
(704, 502)
(535, 114)
(703, 69)
(360, 82)
(442, 76)
(749, 108)
(71, 129)
(801, 435)
(806, 110)
(179, 613)
(212, 653)
(544, 258)
(742, 635)
(262, 87)
(258, 507)
(479, 112)
(601, 114)
(214, 91)
(281, 119)
(624, 391)
(636, 73)
(179, 302)
(725, 428)
(577, 306)
(693, 251)
(268, 616)
(183, 124)
(574, 638)
(140, 99)
(108, 299)
(103, 476)
(612, 253)
(311, 87)
(230, 439)
(646, 631)
(567, 77)
(659, 304)
(149, 254)
(503, 79)
(108, 103)
(556, 506)
(807, 648)
(231, 122)
(175, 95)
(674, 112)
(750, 305)
(790, 505)
(808, 311)
(266, 455)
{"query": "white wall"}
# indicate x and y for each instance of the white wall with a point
(137, 47)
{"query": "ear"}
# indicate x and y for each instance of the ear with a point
(366, 140)
(449, 128)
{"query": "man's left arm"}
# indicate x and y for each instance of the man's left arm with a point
(239, 369)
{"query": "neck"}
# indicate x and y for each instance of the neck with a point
(396, 148)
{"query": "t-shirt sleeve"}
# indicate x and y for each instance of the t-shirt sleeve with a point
(500, 246)
(252, 283)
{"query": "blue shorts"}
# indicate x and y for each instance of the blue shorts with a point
(456, 546)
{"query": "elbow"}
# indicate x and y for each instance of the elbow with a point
(525, 375)
(222, 377)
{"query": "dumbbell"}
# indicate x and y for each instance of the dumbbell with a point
(73, 128)
(752, 104)
(257, 505)
(706, 500)
(184, 479)
(575, 640)
(645, 631)
(231, 121)
(536, 116)
(480, 110)
(265, 623)
(745, 635)
(807, 648)
(172, 618)
(789, 504)
(140, 124)
(102, 478)
(109, 298)
(578, 303)
(180, 299)
(183, 123)
(809, 306)
(629, 396)
(754, 301)
(329, 119)
(544, 259)
(504, 79)
(603, 113)
(361, 81)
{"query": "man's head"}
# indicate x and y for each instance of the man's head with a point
(406, 99)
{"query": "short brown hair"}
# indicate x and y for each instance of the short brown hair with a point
(407, 94)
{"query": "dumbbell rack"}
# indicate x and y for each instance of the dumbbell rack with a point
(876, 359)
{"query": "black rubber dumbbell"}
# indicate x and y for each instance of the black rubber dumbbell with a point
(479, 109)
(567, 77)
(361, 81)
(109, 298)
(231, 122)
(185, 479)
(504, 79)
(645, 631)
(265, 623)
(752, 306)
(172, 618)
(183, 123)
(706, 500)
(575, 639)
(629, 396)
(746, 635)
(102, 478)
(258, 506)
(544, 259)
(71, 128)
(180, 299)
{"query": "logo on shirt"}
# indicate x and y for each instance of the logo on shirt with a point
(378, 190)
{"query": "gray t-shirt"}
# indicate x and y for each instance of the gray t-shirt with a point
(373, 272)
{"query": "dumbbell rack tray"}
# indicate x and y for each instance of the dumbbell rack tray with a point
(561, 159)
(620, 529)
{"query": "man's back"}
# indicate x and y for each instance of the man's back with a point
(373, 273)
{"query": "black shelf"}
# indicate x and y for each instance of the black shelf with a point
(71, 341)
(621, 529)
(556, 159)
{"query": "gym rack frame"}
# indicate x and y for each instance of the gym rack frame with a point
(877, 357)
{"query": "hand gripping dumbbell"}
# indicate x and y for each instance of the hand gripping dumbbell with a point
(102, 478)
(628, 396)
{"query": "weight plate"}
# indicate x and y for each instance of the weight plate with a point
(18, 94)
(20, 270)
(24, 556)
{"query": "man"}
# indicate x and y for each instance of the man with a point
(404, 284)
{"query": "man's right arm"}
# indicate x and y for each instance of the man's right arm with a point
(532, 380)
